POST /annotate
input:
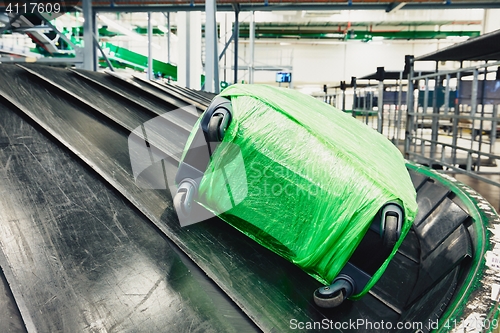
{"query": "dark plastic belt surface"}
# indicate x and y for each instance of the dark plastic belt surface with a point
(268, 289)
(81, 257)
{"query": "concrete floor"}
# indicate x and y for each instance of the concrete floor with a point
(488, 191)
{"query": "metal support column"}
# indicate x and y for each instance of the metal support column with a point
(447, 95)
(481, 122)
(493, 134)
(399, 111)
(224, 41)
(368, 106)
(343, 100)
(454, 136)
(189, 64)
(188, 50)
(216, 65)
(380, 117)
(252, 47)
(354, 104)
(473, 104)
(422, 121)
(435, 117)
(150, 48)
(95, 36)
(236, 35)
(168, 37)
(89, 53)
(211, 52)
(410, 107)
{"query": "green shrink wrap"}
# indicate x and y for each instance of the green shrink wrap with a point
(313, 178)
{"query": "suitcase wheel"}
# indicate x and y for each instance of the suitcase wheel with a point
(333, 295)
(218, 125)
(391, 234)
(183, 199)
(392, 219)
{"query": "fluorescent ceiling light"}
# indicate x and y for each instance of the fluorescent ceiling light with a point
(332, 35)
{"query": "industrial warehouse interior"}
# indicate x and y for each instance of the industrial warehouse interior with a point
(250, 166)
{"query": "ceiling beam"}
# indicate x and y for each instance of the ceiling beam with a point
(277, 5)
(292, 7)
(280, 6)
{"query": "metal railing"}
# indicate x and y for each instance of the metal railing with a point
(448, 121)
(383, 107)
(365, 106)
(330, 98)
(452, 121)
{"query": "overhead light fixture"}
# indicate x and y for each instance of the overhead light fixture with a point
(394, 8)
(334, 35)
(323, 13)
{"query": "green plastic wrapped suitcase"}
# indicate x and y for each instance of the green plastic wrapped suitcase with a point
(305, 180)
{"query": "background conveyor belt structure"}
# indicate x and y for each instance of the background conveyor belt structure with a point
(83, 248)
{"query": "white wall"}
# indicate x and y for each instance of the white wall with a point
(316, 63)
(491, 20)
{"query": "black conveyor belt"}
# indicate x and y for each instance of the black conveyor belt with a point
(81, 258)
(85, 249)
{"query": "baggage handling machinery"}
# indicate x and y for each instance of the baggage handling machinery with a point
(445, 269)
(384, 232)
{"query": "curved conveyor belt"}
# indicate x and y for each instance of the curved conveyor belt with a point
(83, 248)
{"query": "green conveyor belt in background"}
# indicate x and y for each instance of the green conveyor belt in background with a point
(124, 58)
